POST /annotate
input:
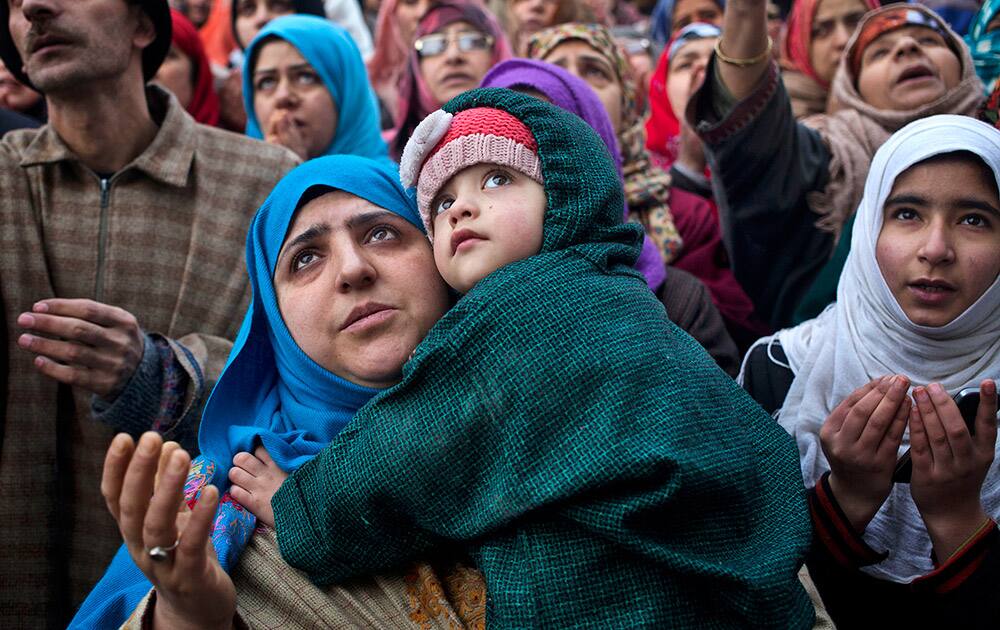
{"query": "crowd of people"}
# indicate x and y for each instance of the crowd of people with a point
(499, 313)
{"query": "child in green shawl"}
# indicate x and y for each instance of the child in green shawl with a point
(554, 425)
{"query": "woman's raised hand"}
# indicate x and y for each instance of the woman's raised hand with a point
(744, 39)
(861, 440)
(144, 489)
(949, 464)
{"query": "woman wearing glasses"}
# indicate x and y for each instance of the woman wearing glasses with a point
(455, 45)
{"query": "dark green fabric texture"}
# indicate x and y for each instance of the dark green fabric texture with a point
(823, 291)
(595, 463)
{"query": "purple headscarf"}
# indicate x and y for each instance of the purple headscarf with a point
(574, 95)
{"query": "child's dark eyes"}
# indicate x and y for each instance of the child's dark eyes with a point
(441, 205)
(496, 179)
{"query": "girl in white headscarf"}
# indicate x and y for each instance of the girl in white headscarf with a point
(917, 320)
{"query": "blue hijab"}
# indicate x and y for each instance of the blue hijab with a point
(332, 53)
(270, 391)
(270, 386)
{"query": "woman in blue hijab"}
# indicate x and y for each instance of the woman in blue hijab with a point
(274, 392)
(303, 76)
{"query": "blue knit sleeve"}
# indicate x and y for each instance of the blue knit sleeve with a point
(153, 399)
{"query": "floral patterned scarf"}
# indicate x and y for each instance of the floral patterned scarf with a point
(647, 188)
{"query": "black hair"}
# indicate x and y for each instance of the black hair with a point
(303, 7)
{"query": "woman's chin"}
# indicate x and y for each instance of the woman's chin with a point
(911, 99)
(379, 364)
(930, 317)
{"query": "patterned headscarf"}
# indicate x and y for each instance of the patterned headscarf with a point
(798, 38)
(857, 129)
(647, 188)
(985, 45)
(890, 20)
(574, 95)
(990, 110)
(415, 100)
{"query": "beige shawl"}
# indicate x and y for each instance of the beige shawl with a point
(271, 594)
(857, 129)
(808, 97)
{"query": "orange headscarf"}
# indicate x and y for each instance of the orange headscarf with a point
(217, 34)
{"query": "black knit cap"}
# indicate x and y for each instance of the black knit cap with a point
(152, 56)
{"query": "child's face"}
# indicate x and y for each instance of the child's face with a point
(939, 248)
(485, 217)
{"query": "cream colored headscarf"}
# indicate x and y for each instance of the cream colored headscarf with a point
(865, 334)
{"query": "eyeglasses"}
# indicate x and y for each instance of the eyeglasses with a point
(437, 43)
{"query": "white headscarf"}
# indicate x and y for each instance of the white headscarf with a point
(866, 334)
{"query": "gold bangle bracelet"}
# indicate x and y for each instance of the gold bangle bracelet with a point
(743, 63)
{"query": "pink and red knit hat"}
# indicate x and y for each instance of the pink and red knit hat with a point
(444, 144)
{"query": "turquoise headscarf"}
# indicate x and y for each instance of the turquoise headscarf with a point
(985, 46)
(270, 390)
(332, 53)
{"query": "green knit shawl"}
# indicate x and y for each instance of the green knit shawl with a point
(555, 425)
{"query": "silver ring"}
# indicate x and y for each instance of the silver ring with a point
(159, 554)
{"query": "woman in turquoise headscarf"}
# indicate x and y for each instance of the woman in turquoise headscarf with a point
(303, 77)
(276, 391)
(984, 43)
